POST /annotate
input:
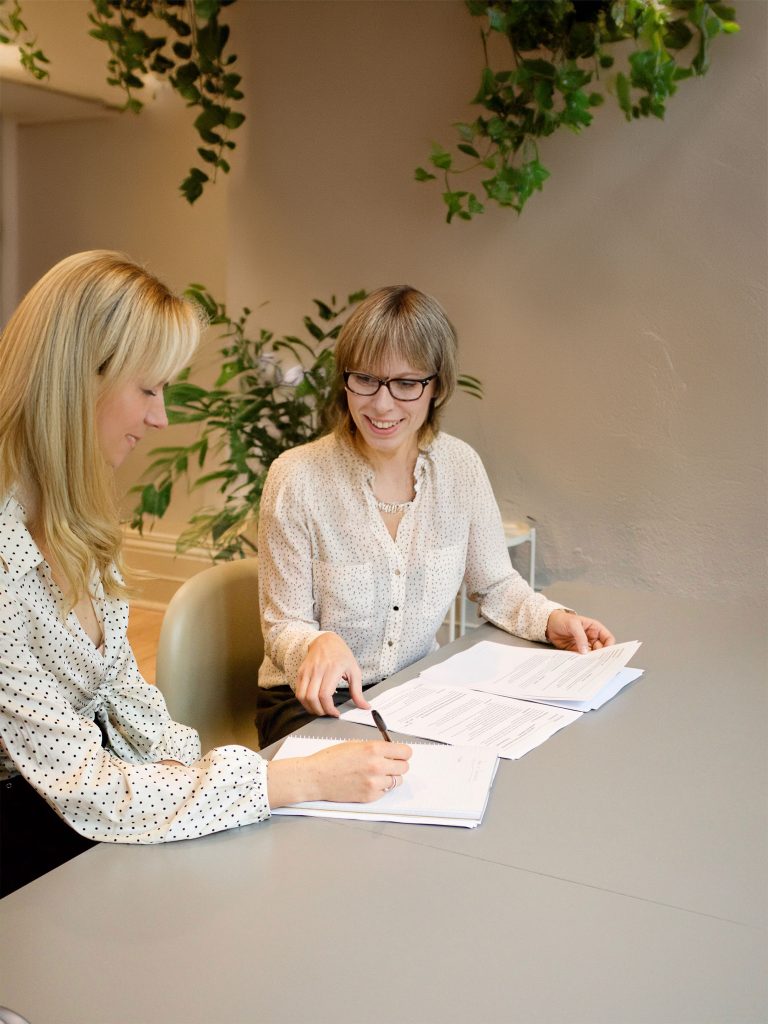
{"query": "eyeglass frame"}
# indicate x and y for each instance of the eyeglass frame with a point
(386, 382)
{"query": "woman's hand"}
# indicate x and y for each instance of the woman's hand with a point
(572, 632)
(345, 772)
(328, 661)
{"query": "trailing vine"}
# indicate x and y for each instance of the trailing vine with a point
(194, 63)
(559, 62)
(14, 31)
(180, 41)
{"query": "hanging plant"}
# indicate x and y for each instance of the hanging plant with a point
(191, 57)
(257, 409)
(180, 41)
(13, 31)
(561, 69)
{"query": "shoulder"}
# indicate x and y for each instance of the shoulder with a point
(306, 460)
(447, 450)
(303, 467)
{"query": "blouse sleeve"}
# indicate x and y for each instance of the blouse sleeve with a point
(134, 718)
(286, 595)
(99, 792)
(503, 596)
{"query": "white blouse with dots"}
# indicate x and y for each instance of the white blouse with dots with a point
(328, 563)
(83, 727)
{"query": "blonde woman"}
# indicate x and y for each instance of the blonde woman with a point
(88, 751)
(366, 535)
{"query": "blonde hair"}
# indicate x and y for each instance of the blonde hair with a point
(94, 321)
(397, 321)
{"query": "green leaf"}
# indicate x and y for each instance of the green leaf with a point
(228, 371)
(440, 157)
(210, 118)
(677, 34)
(623, 94)
(313, 329)
(186, 74)
(206, 9)
(233, 119)
(474, 205)
(154, 502)
(421, 175)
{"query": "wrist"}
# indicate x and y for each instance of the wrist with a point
(293, 780)
(556, 611)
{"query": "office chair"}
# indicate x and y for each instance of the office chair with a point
(209, 653)
(10, 1017)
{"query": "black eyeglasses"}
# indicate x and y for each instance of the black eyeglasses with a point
(403, 389)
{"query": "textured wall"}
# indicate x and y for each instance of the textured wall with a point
(619, 325)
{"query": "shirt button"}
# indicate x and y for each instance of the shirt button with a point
(397, 572)
(395, 608)
(390, 643)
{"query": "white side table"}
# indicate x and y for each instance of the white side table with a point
(515, 532)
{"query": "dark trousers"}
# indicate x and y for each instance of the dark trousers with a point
(33, 838)
(278, 712)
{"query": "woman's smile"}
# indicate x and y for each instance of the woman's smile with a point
(386, 426)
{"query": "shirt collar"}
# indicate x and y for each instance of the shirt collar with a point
(18, 552)
(356, 461)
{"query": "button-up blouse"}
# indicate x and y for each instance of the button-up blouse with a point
(328, 563)
(87, 732)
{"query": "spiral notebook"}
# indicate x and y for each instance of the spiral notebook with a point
(444, 786)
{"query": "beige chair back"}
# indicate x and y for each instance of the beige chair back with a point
(209, 653)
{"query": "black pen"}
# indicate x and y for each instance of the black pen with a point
(380, 725)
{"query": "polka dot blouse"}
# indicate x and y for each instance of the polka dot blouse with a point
(328, 562)
(83, 727)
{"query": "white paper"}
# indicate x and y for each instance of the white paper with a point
(611, 688)
(443, 786)
(461, 716)
(531, 674)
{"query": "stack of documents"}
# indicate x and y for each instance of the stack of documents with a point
(505, 698)
(580, 682)
(444, 786)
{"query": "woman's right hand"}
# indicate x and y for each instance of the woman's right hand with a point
(328, 661)
(346, 773)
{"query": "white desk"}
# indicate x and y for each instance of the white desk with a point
(619, 877)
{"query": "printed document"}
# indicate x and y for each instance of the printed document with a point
(531, 673)
(452, 715)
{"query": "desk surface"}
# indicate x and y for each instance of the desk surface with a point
(618, 876)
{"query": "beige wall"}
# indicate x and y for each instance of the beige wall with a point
(619, 325)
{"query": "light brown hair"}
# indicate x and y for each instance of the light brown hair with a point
(397, 321)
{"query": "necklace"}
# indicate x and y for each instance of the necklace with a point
(393, 507)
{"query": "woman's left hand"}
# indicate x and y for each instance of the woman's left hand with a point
(572, 632)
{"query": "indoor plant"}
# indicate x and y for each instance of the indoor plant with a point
(180, 41)
(562, 58)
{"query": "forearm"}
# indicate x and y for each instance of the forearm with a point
(514, 607)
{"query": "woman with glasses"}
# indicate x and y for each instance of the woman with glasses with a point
(88, 750)
(366, 535)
